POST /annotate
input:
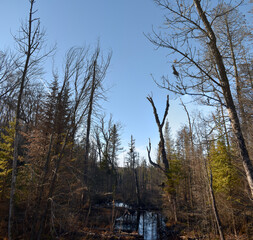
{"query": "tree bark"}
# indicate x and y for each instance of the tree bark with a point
(137, 189)
(17, 130)
(215, 210)
(235, 123)
(160, 129)
(165, 159)
(238, 83)
(88, 125)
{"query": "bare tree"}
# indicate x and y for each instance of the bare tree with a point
(30, 43)
(233, 39)
(162, 150)
(205, 76)
(8, 68)
(98, 70)
(160, 125)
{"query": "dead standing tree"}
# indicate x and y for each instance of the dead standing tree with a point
(30, 42)
(191, 23)
(160, 125)
(162, 150)
(98, 68)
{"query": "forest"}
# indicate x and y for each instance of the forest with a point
(60, 176)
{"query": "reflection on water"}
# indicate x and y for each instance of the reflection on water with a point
(148, 224)
(120, 204)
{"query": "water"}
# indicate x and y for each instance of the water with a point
(121, 204)
(146, 223)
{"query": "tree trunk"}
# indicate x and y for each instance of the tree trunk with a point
(173, 201)
(137, 189)
(41, 190)
(238, 83)
(51, 187)
(191, 159)
(160, 129)
(88, 125)
(17, 130)
(215, 210)
(165, 159)
(235, 123)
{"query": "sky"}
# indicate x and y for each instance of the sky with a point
(120, 26)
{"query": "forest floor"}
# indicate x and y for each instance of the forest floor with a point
(98, 223)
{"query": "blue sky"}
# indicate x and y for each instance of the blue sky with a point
(120, 26)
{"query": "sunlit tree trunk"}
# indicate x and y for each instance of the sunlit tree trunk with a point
(215, 210)
(30, 46)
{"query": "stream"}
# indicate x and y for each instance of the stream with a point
(151, 225)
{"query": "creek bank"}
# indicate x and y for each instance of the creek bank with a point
(117, 220)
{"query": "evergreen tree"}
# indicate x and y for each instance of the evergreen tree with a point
(225, 176)
(115, 144)
(133, 162)
(50, 106)
(175, 173)
(6, 157)
(132, 155)
(55, 118)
